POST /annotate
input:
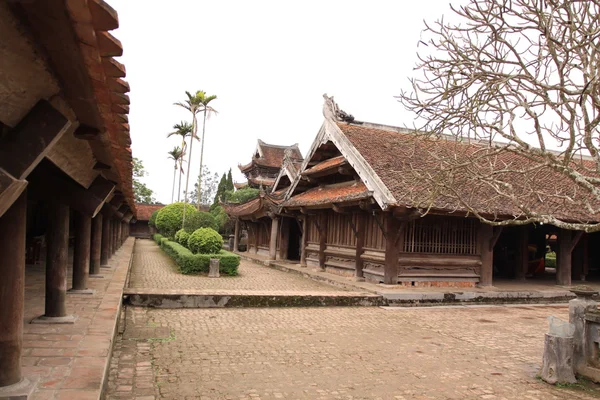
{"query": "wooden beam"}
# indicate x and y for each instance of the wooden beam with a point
(127, 217)
(101, 166)
(108, 45)
(406, 214)
(346, 170)
(360, 242)
(340, 209)
(113, 68)
(24, 147)
(119, 98)
(121, 109)
(486, 251)
(322, 226)
(102, 189)
(85, 132)
(104, 17)
(118, 85)
(10, 190)
(497, 231)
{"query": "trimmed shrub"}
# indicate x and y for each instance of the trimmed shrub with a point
(190, 263)
(157, 237)
(170, 218)
(152, 220)
(205, 241)
(200, 219)
(183, 238)
(178, 234)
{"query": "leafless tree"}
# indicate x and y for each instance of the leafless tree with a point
(521, 76)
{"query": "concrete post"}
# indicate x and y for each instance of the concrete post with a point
(96, 245)
(12, 292)
(273, 238)
(236, 235)
(105, 244)
(56, 261)
(81, 252)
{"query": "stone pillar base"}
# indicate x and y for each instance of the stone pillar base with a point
(67, 319)
(105, 266)
(318, 269)
(21, 390)
(359, 279)
(81, 291)
(96, 276)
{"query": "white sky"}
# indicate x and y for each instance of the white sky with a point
(269, 63)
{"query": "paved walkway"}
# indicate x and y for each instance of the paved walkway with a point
(71, 359)
(342, 353)
(153, 269)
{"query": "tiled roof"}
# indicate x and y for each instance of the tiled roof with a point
(144, 211)
(268, 182)
(336, 193)
(397, 158)
(331, 163)
(239, 185)
(272, 156)
(248, 208)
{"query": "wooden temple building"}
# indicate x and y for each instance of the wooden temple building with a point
(354, 208)
(140, 227)
(65, 157)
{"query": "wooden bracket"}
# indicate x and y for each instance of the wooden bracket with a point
(574, 240)
(400, 232)
(353, 226)
(380, 224)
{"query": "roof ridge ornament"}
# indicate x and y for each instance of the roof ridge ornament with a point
(332, 111)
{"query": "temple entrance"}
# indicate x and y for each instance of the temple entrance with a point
(295, 237)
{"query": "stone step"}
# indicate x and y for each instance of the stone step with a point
(165, 298)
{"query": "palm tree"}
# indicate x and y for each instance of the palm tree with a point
(204, 100)
(175, 155)
(193, 105)
(183, 129)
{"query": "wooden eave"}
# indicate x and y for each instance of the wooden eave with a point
(80, 50)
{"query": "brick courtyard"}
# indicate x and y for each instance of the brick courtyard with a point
(335, 353)
(152, 268)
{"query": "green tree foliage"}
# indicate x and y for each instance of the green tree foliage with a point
(152, 221)
(209, 188)
(142, 193)
(200, 219)
(229, 181)
(205, 241)
(243, 195)
(222, 219)
(170, 218)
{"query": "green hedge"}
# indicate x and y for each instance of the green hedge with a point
(157, 237)
(152, 221)
(169, 218)
(205, 241)
(190, 263)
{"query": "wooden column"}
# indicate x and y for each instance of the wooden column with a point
(119, 234)
(105, 243)
(113, 243)
(360, 243)
(255, 233)
(12, 289)
(284, 238)
(56, 260)
(273, 238)
(236, 236)
(304, 241)
(580, 259)
(522, 261)
(567, 240)
(81, 251)
(322, 217)
(392, 232)
(96, 245)
(486, 251)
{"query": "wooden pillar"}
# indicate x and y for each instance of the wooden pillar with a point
(81, 251)
(304, 241)
(273, 238)
(392, 230)
(119, 234)
(284, 240)
(360, 243)
(56, 261)
(322, 217)
(96, 245)
(563, 257)
(113, 244)
(236, 235)
(105, 243)
(522, 261)
(12, 289)
(580, 259)
(486, 252)
(255, 233)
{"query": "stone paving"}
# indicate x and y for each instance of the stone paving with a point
(152, 268)
(70, 360)
(490, 352)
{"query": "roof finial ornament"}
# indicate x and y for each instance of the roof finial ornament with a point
(332, 111)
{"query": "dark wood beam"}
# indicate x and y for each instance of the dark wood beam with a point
(108, 45)
(101, 166)
(85, 132)
(113, 68)
(25, 146)
(10, 190)
(102, 189)
(104, 16)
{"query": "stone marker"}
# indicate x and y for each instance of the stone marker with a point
(214, 268)
(557, 362)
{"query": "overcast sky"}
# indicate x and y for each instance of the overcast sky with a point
(269, 63)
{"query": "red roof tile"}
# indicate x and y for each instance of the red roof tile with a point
(144, 211)
(248, 208)
(336, 193)
(398, 158)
